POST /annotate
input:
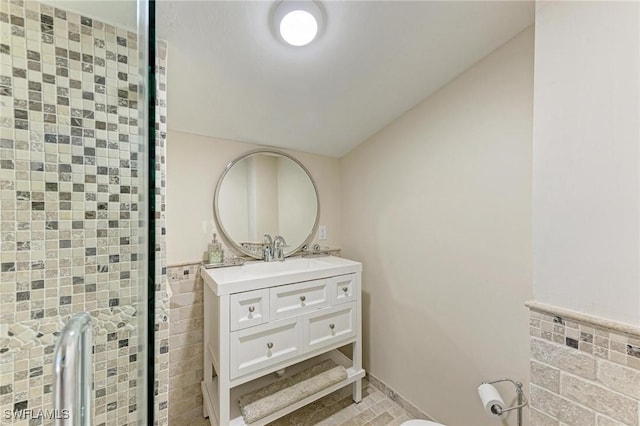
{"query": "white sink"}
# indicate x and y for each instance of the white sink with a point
(259, 274)
(283, 267)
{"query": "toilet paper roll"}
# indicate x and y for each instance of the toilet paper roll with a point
(490, 398)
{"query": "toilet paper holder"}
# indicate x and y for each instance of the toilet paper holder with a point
(520, 404)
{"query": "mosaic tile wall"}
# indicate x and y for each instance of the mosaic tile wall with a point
(71, 172)
(582, 375)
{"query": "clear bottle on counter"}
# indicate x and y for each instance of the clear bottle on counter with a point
(216, 254)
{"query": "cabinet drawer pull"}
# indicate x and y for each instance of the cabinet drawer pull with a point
(332, 326)
(345, 289)
(269, 345)
(252, 308)
(303, 298)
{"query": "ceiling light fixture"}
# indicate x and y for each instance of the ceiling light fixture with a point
(297, 22)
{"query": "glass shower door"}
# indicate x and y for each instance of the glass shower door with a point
(74, 206)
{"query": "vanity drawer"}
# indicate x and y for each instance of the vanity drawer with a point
(342, 289)
(264, 345)
(248, 309)
(294, 299)
(329, 326)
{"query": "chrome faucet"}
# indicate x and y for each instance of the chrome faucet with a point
(273, 248)
(267, 250)
(278, 244)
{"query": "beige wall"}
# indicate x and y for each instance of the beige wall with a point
(437, 206)
(194, 164)
(586, 162)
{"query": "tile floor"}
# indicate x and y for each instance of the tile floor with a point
(338, 409)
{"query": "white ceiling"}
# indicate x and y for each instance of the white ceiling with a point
(230, 78)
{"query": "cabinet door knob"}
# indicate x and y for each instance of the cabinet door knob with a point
(345, 289)
(303, 298)
(269, 345)
(252, 308)
(332, 326)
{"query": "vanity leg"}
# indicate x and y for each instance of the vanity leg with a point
(223, 403)
(208, 374)
(208, 362)
(224, 388)
(357, 391)
(357, 347)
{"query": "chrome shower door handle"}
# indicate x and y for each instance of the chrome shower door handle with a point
(72, 373)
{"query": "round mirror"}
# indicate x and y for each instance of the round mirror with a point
(266, 192)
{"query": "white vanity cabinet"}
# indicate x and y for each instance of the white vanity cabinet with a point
(261, 318)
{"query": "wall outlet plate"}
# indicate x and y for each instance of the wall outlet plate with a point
(322, 232)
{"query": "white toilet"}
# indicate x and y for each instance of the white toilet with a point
(420, 423)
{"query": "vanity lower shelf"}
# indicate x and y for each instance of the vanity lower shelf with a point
(210, 389)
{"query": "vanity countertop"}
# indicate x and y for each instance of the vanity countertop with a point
(258, 274)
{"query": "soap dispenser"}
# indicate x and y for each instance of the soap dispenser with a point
(216, 254)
